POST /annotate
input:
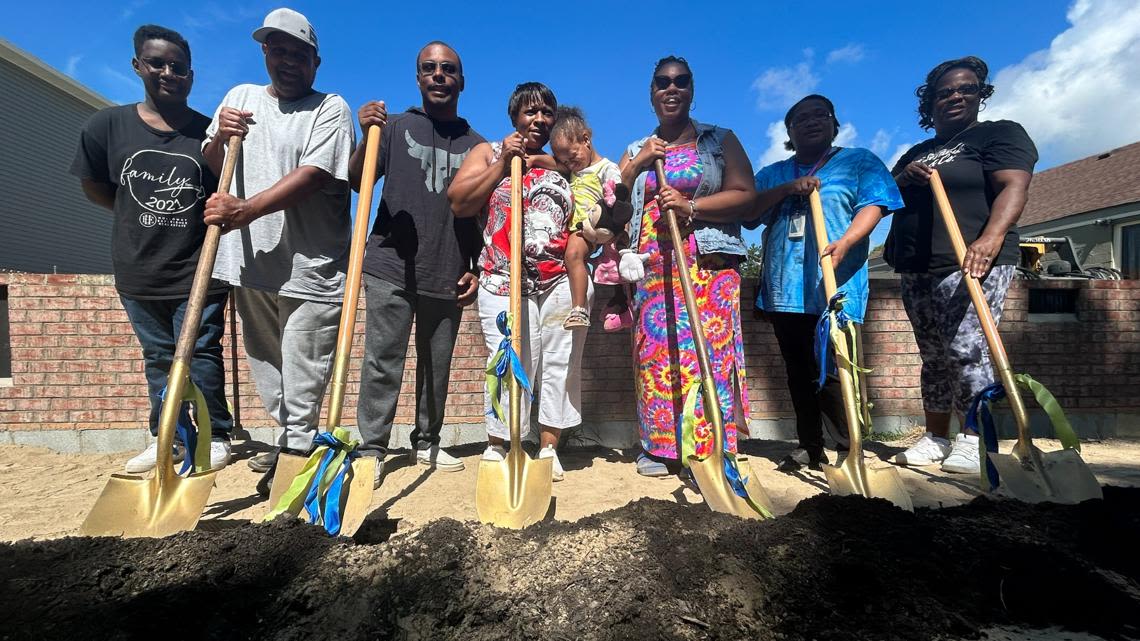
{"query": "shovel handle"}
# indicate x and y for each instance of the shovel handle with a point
(712, 402)
(985, 316)
(516, 221)
(184, 349)
(352, 279)
(846, 382)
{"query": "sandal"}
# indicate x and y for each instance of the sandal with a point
(578, 317)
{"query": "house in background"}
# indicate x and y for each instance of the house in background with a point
(48, 224)
(1095, 201)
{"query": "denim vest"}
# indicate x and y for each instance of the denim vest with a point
(712, 238)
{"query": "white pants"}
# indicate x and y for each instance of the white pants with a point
(551, 356)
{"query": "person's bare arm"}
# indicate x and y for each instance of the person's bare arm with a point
(373, 113)
(480, 174)
(734, 201)
(861, 226)
(232, 212)
(1012, 189)
(100, 193)
(231, 122)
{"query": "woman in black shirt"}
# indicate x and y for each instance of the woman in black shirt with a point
(986, 168)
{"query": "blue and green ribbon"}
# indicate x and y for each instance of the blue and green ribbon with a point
(980, 419)
(505, 361)
(319, 486)
(833, 326)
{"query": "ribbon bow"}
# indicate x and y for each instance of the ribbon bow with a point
(319, 486)
(979, 416)
(505, 360)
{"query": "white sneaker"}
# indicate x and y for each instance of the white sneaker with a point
(219, 453)
(146, 460)
(929, 450)
(548, 452)
(964, 458)
(495, 453)
(436, 457)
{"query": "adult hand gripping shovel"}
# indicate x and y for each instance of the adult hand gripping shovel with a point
(166, 503)
(853, 476)
(333, 485)
(1028, 473)
(514, 492)
(722, 485)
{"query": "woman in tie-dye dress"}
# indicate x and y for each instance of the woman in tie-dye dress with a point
(710, 189)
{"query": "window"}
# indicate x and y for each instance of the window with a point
(5, 338)
(1129, 250)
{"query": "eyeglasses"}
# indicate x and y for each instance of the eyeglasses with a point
(805, 118)
(970, 89)
(158, 65)
(680, 81)
(428, 67)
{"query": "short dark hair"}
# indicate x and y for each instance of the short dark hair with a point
(441, 43)
(155, 32)
(570, 123)
(529, 93)
(670, 60)
(830, 107)
(925, 91)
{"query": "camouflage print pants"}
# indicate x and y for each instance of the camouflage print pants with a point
(955, 358)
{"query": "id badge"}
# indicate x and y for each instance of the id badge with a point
(796, 225)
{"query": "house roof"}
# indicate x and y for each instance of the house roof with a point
(38, 69)
(1100, 181)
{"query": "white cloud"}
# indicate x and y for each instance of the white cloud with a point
(1079, 96)
(899, 151)
(72, 64)
(131, 7)
(880, 143)
(852, 53)
(777, 135)
(779, 87)
(847, 135)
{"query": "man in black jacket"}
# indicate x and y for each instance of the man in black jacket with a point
(419, 262)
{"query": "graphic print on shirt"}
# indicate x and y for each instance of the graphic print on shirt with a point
(942, 156)
(165, 186)
(439, 165)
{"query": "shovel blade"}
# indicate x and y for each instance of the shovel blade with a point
(719, 495)
(876, 482)
(1058, 477)
(514, 493)
(132, 506)
(356, 496)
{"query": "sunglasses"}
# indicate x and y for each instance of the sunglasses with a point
(971, 89)
(804, 118)
(428, 67)
(157, 65)
(680, 81)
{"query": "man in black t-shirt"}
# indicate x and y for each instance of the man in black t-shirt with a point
(144, 162)
(419, 264)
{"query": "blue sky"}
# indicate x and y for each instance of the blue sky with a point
(1057, 64)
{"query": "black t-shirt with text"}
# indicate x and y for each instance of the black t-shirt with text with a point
(161, 184)
(918, 242)
(417, 243)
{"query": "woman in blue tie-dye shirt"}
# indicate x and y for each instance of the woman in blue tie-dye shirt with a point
(857, 191)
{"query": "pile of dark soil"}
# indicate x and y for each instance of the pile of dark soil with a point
(835, 568)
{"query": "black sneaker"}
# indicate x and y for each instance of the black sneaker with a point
(794, 461)
(265, 461)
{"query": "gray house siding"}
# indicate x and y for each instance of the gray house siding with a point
(48, 225)
(1093, 233)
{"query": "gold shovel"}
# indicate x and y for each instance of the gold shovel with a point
(1028, 473)
(709, 472)
(853, 476)
(167, 503)
(515, 492)
(357, 496)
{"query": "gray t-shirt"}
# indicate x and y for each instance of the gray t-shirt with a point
(302, 251)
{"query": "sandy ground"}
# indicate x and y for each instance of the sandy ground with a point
(44, 494)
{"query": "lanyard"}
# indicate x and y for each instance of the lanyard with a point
(819, 163)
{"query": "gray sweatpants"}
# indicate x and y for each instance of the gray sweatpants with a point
(387, 332)
(955, 357)
(289, 343)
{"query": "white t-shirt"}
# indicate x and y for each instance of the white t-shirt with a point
(301, 251)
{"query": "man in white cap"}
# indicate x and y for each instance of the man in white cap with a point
(286, 223)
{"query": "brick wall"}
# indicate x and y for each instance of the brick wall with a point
(76, 364)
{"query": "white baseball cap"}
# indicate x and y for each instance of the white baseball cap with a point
(290, 23)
